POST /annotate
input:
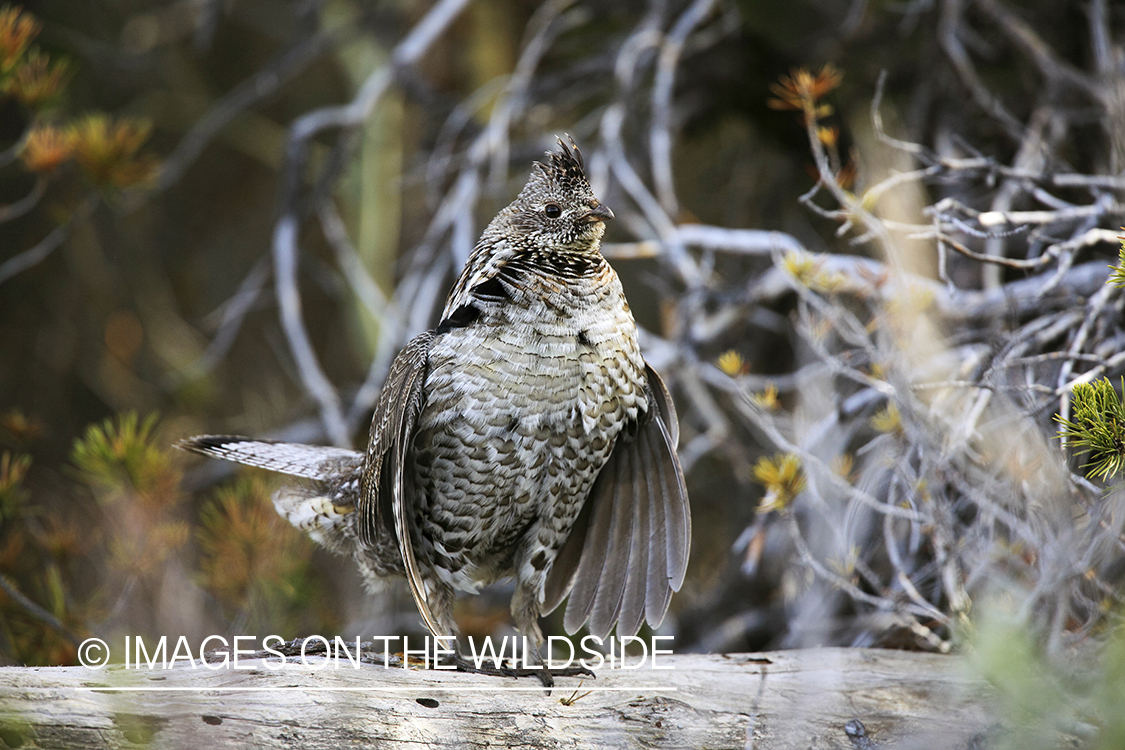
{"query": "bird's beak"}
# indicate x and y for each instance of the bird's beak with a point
(600, 212)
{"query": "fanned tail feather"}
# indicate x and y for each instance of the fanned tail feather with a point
(309, 461)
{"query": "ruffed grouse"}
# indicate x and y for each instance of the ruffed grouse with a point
(524, 437)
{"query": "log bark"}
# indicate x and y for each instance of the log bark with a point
(771, 701)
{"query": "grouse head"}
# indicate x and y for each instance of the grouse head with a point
(557, 210)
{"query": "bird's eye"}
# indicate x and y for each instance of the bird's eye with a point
(552, 210)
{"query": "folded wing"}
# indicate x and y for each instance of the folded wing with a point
(386, 485)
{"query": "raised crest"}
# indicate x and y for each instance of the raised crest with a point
(565, 166)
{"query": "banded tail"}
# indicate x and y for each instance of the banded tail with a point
(325, 511)
(319, 462)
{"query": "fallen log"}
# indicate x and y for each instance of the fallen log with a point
(772, 701)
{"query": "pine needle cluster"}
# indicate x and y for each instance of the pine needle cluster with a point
(251, 560)
(1097, 425)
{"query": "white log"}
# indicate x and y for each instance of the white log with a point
(766, 701)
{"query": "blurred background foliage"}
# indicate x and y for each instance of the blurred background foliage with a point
(155, 155)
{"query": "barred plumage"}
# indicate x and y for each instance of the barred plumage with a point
(525, 437)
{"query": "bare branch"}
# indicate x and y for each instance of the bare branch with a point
(233, 314)
(23, 205)
(952, 16)
(36, 611)
(285, 251)
(660, 133)
(267, 80)
(1025, 38)
(36, 255)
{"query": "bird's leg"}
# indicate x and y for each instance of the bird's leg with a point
(440, 599)
(501, 664)
(533, 667)
(525, 613)
(525, 610)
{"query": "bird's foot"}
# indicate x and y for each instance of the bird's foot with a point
(501, 669)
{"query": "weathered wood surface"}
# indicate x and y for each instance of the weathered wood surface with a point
(775, 700)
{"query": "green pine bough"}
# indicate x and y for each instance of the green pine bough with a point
(1117, 273)
(1097, 425)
